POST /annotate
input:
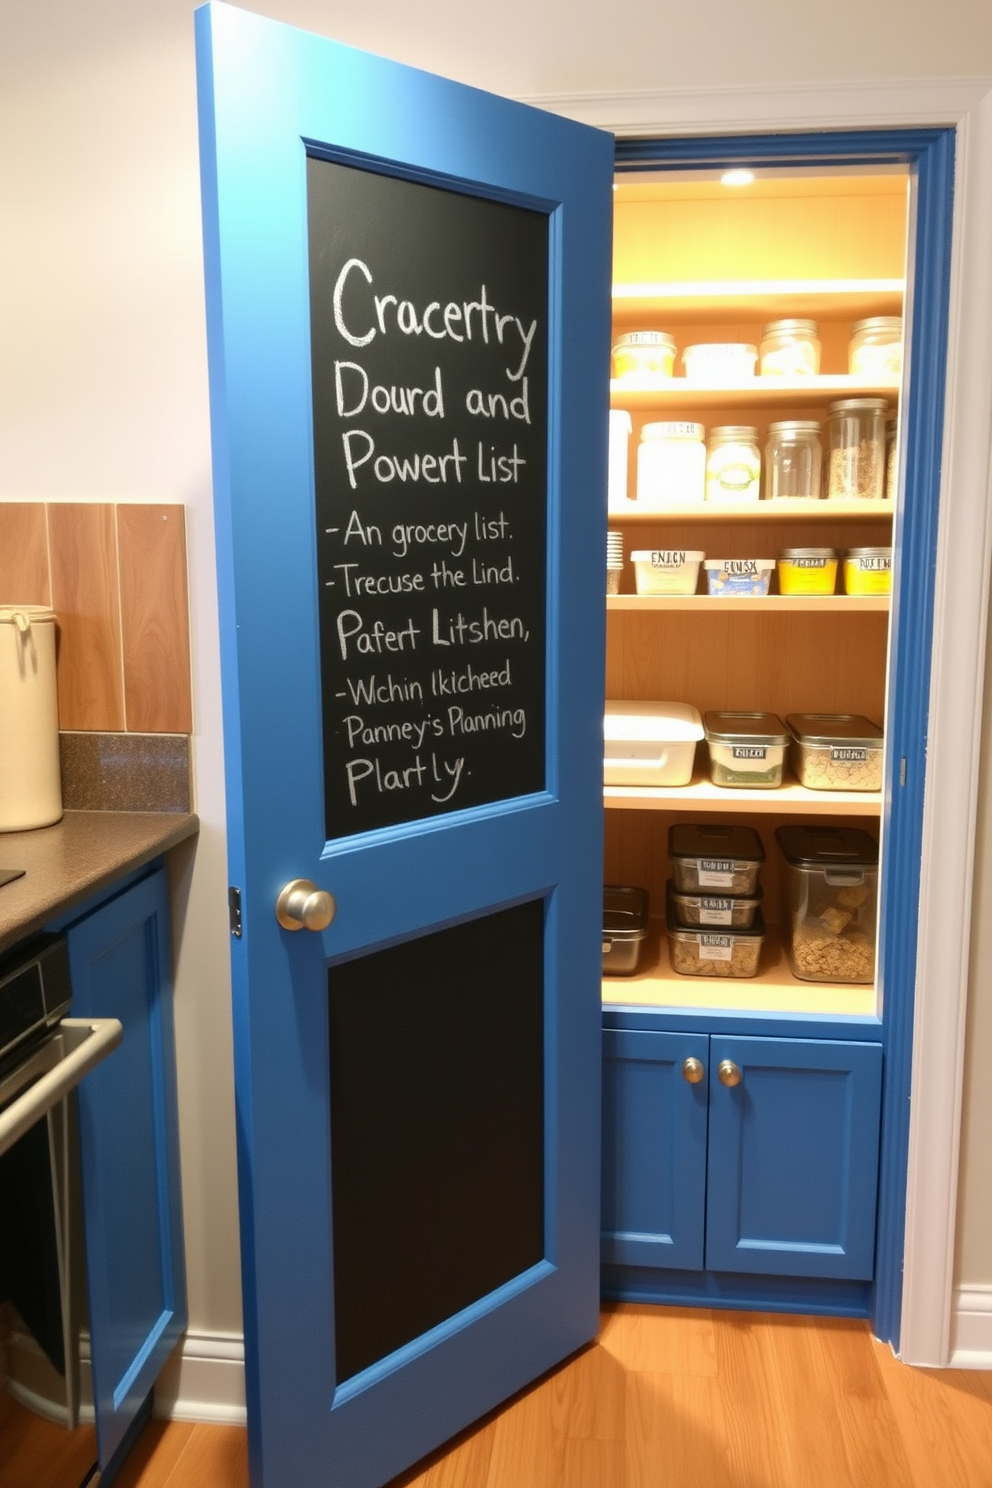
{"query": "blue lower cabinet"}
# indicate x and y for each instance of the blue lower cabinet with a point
(132, 1214)
(759, 1156)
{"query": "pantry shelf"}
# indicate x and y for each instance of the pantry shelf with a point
(678, 393)
(773, 990)
(784, 510)
(703, 796)
(768, 603)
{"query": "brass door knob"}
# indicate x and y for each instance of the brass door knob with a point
(728, 1072)
(302, 906)
(692, 1070)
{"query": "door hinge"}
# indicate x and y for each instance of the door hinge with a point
(234, 906)
(902, 771)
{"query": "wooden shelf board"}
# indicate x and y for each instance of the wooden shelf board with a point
(762, 298)
(773, 990)
(664, 393)
(785, 510)
(703, 795)
(847, 604)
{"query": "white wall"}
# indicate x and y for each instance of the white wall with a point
(103, 362)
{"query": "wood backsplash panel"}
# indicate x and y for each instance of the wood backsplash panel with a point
(151, 545)
(85, 597)
(23, 554)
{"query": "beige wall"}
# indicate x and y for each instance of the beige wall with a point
(103, 389)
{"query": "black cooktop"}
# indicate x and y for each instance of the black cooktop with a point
(7, 875)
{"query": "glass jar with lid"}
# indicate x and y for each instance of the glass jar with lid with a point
(733, 463)
(644, 354)
(856, 449)
(790, 348)
(671, 464)
(875, 349)
(891, 455)
(793, 460)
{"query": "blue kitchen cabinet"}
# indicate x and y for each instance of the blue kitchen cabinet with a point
(773, 1174)
(119, 960)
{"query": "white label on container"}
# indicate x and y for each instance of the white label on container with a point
(715, 876)
(667, 559)
(749, 751)
(844, 756)
(808, 562)
(713, 912)
(740, 566)
(716, 948)
(874, 565)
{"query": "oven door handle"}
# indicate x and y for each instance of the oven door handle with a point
(47, 1075)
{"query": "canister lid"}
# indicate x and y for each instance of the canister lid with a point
(791, 327)
(868, 553)
(645, 338)
(835, 728)
(674, 722)
(714, 840)
(857, 405)
(738, 433)
(24, 616)
(791, 554)
(726, 727)
(878, 323)
(672, 430)
(827, 847)
(794, 426)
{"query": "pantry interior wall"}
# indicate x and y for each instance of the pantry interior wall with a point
(103, 391)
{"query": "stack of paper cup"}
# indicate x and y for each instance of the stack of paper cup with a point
(614, 561)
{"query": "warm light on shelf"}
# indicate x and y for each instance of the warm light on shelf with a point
(738, 177)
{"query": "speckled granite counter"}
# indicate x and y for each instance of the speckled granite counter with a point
(83, 853)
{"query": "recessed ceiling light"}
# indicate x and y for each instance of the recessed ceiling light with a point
(737, 178)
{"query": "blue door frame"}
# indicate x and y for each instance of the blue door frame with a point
(929, 153)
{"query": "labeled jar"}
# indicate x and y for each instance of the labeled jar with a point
(793, 460)
(891, 455)
(807, 570)
(733, 463)
(856, 449)
(671, 464)
(875, 348)
(790, 348)
(836, 751)
(718, 362)
(746, 749)
(667, 570)
(644, 354)
(868, 571)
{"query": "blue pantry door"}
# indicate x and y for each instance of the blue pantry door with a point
(408, 317)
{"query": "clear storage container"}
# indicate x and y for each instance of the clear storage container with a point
(709, 855)
(650, 743)
(733, 463)
(644, 354)
(856, 445)
(793, 460)
(625, 926)
(621, 427)
(702, 911)
(868, 571)
(807, 570)
(836, 751)
(671, 464)
(790, 348)
(726, 576)
(746, 749)
(667, 570)
(832, 892)
(718, 362)
(714, 953)
(891, 455)
(875, 348)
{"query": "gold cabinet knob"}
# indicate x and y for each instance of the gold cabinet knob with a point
(728, 1072)
(692, 1070)
(302, 906)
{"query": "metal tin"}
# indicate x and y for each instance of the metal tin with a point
(625, 926)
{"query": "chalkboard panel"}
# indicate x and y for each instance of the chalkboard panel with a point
(429, 336)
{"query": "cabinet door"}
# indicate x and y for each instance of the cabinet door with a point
(793, 1157)
(119, 961)
(654, 1150)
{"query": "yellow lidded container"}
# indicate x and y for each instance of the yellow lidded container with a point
(644, 354)
(807, 570)
(868, 571)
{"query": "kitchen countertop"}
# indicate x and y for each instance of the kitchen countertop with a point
(85, 852)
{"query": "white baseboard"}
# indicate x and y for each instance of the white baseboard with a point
(971, 1328)
(204, 1380)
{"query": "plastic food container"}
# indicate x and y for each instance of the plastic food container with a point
(807, 570)
(614, 561)
(621, 427)
(711, 856)
(891, 455)
(644, 354)
(833, 892)
(650, 743)
(714, 953)
(720, 361)
(875, 348)
(746, 749)
(666, 570)
(856, 443)
(790, 348)
(700, 911)
(793, 460)
(868, 571)
(738, 575)
(733, 463)
(671, 464)
(836, 751)
(625, 925)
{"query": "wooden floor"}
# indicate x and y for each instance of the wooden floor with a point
(673, 1398)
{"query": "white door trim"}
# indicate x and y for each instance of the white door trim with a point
(960, 613)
